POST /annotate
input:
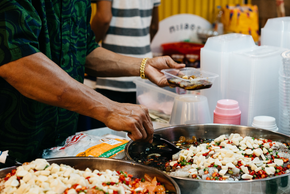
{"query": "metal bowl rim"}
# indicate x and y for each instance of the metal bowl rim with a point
(51, 160)
(210, 181)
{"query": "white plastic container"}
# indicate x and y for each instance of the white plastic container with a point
(215, 58)
(190, 78)
(265, 122)
(276, 32)
(158, 100)
(247, 74)
(254, 81)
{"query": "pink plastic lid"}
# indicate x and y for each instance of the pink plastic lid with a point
(227, 107)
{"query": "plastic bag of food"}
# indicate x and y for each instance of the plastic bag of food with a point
(82, 145)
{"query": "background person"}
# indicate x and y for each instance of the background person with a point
(125, 27)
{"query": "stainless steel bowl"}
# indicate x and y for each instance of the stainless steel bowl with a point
(101, 164)
(274, 185)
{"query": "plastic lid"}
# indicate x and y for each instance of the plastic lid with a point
(229, 42)
(264, 121)
(281, 24)
(227, 107)
(227, 103)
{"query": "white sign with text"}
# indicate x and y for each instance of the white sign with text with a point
(179, 28)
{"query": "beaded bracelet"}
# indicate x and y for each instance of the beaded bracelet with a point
(142, 68)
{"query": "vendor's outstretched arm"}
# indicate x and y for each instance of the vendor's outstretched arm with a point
(38, 78)
(104, 63)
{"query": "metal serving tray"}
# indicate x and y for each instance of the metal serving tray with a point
(102, 164)
(275, 185)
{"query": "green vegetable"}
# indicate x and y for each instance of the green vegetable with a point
(183, 162)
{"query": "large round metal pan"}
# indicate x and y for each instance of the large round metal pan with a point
(274, 185)
(102, 164)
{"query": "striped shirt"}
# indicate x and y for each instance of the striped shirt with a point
(129, 35)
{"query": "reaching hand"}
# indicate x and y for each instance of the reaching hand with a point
(155, 65)
(131, 118)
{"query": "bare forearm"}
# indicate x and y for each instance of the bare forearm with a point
(38, 78)
(101, 21)
(154, 26)
(100, 28)
(104, 63)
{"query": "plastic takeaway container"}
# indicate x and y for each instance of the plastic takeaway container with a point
(276, 32)
(254, 81)
(215, 58)
(190, 78)
(265, 122)
(247, 74)
(158, 100)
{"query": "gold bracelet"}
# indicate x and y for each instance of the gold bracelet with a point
(142, 68)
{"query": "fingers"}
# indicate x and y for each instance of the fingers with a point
(142, 128)
(172, 64)
(147, 124)
(157, 77)
(154, 67)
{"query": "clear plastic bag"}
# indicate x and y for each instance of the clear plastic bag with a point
(82, 145)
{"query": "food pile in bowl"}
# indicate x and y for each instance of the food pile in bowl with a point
(228, 157)
(39, 176)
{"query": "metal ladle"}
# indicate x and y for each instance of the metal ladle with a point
(170, 148)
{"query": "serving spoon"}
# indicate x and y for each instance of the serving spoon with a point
(170, 148)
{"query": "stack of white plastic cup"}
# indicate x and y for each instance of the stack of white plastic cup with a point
(284, 94)
(190, 109)
(265, 122)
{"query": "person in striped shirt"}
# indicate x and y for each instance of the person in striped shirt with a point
(126, 27)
